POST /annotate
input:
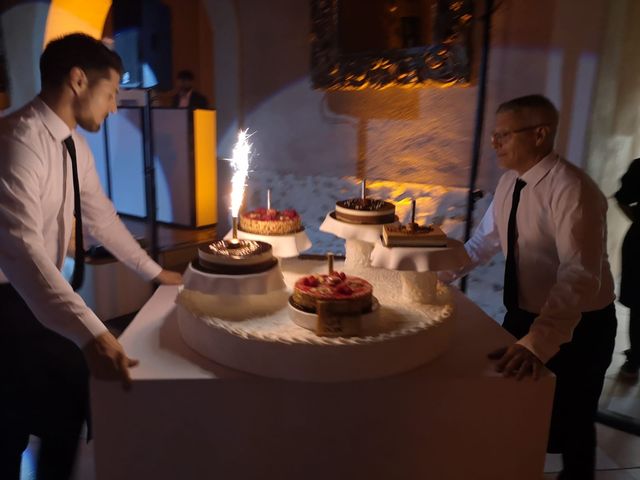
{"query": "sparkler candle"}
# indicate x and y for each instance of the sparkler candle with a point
(240, 166)
(363, 186)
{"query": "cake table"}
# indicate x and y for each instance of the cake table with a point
(188, 417)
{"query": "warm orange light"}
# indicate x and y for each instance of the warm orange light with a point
(401, 194)
(70, 16)
(206, 176)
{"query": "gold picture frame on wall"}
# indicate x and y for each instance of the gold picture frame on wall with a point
(359, 44)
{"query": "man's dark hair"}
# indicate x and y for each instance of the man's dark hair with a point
(531, 102)
(76, 50)
(185, 75)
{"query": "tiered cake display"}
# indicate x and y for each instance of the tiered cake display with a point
(325, 326)
(325, 333)
(417, 252)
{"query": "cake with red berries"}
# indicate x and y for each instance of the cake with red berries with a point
(367, 211)
(354, 293)
(263, 221)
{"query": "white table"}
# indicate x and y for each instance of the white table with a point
(189, 418)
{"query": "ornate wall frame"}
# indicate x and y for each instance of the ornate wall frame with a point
(445, 62)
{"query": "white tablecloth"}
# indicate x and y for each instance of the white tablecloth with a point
(189, 418)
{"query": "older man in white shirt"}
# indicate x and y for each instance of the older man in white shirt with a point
(549, 219)
(49, 339)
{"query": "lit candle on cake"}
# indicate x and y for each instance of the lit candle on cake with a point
(413, 211)
(330, 262)
(240, 166)
(363, 188)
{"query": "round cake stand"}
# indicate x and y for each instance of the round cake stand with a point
(284, 246)
(418, 266)
(359, 239)
(250, 284)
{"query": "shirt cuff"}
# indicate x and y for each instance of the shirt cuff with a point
(90, 328)
(149, 269)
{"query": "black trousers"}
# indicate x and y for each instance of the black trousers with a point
(43, 391)
(579, 367)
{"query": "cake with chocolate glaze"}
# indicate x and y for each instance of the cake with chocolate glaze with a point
(366, 211)
(336, 287)
(239, 257)
(263, 221)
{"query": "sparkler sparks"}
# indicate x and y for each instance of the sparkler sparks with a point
(240, 164)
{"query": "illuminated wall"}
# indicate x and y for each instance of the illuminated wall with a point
(413, 135)
(29, 25)
(421, 134)
(68, 16)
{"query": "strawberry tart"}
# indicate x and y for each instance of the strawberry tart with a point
(336, 287)
(263, 221)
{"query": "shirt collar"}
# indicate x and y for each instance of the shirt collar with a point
(56, 126)
(540, 169)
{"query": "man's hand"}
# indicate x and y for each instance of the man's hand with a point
(517, 360)
(168, 277)
(107, 361)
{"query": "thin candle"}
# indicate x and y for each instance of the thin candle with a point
(268, 199)
(330, 262)
(363, 185)
(413, 211)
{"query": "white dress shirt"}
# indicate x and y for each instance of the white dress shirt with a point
(36, 219)
(561, 254)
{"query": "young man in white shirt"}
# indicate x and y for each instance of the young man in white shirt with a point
(49, 339)
(558, 284)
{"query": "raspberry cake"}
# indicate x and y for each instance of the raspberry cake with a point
(365, 211)
(349, 292)
(263, 221)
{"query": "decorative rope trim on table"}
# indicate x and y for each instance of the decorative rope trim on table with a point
(308, 338)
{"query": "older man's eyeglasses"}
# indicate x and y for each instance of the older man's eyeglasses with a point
(501, 137)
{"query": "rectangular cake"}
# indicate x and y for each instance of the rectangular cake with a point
(413, 235)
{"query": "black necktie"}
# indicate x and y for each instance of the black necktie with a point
(78, 267)
(510, 296)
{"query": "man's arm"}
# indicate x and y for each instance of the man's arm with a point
(481, 247)
(24, 258)
(27, 265)
(103, 223)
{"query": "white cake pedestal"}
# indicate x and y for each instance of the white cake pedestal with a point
(418, 266)
(284, 246)
(229, 295)
(359, 240)
(249, 284)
